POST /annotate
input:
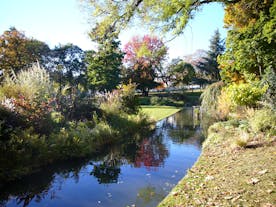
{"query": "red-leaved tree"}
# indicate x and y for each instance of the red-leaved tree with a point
(143, 59)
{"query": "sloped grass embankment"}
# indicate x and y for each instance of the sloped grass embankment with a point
(228, 173)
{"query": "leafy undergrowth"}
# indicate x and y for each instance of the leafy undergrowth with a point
(229, 173)
(158, 113)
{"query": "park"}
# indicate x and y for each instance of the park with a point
(124, 124)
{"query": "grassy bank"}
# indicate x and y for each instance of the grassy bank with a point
(229, 172)
(159, 112)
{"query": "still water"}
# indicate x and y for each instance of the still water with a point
(138, 172)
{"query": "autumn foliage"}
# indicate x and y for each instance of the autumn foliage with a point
(143, 58)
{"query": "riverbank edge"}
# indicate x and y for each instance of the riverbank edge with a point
(136, 125)
(228, 175)
(7, 176)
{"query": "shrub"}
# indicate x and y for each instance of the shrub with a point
(224, 104)
(269, 79)
(123, 100)
(246, 94)
(130, 102)
(110, 102)
(29, 95)
(241, 142)
(209, 99)
(242, 139)
(57, 117)
(8, 122)
(155, 100)
(263, 120)
(144, 100)
(33, 83)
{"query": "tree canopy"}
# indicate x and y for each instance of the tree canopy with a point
(67, 61)
(18, 51)
(180, 72)
(104, 67)
(250, 42)
(167, 16)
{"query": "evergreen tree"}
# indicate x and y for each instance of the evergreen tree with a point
(209, 65)
(104, 66)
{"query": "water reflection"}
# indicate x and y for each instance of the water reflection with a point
(149, 194)
(184, 127)
(106, 173)
(40, 185)
(131, 157)
(151, 153)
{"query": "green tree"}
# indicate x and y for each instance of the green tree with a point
(251, 41)
(67, 65)
(18, 52)
(104, 66)
(210, 65)
(180, 72)
(164, 15)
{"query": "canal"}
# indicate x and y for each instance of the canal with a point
(138, 172)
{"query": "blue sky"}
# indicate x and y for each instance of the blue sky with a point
(62, 21)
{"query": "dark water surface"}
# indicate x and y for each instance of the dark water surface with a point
(140, 172)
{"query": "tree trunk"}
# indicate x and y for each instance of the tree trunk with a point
(145, 92)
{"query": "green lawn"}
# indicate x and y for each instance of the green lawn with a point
(160, 112)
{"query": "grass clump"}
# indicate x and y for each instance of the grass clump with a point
(263, 121)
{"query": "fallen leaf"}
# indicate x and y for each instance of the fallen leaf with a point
(175, 193)
(236, 198)
(269, 191)
(209, 177)
(228, 197)
(268, 205)
(253, 181)
(263, 172)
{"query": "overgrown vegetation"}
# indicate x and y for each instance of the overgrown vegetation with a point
(35, 128)
(79, 103)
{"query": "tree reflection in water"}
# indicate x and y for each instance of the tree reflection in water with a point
(184, 130)
(149, 194)
(40, 185)
(106, 173)
(108, 170)
(151, 153)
